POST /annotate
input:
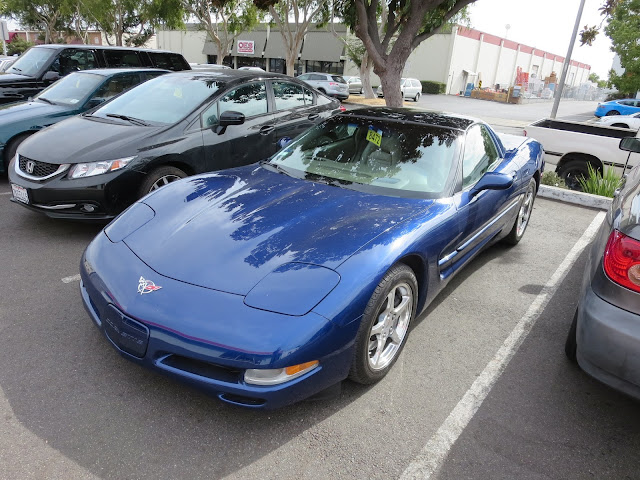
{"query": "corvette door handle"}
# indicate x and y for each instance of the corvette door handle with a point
(267, 129)
(313, 116)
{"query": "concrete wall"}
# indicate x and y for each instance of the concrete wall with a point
(189, 43)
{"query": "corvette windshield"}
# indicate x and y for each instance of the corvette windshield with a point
(375, 153)
(163, 100)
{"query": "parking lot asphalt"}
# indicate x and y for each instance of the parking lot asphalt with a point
(70, 407)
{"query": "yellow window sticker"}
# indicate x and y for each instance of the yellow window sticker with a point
(375, 137)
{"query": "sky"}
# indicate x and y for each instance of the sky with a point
(545, 24)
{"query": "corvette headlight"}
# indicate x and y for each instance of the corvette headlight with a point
(274, 376)
(82, 170)
(293, 288)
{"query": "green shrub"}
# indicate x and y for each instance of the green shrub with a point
(552, 179)
(17, 46)
(597, 184)
(432, 87)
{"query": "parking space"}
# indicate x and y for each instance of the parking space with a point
(72, 408)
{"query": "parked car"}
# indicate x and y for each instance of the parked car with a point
(6, 62)
(94, 165)
(355, 84)
(410, 88)
(253, 69)
(208, 66)
(266, 284)
(604, 337)
(621, 121)
(572, 146)
(625, 106)
(42, 65)
(332, 85)
(73, 94)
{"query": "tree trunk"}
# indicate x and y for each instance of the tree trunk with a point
(366, 65)
(291, 64)
(390, 79)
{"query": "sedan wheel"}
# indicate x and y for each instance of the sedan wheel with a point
(159, 178)
(385, 325)
(524, 214)
(612, 112)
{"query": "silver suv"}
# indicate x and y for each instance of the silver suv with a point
(332, 85)
(410, 88)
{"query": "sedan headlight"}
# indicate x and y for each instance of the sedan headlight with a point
(82, 170)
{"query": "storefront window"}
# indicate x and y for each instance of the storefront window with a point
(325, 67)
(252, 62)
(277, 65)
(228, 60)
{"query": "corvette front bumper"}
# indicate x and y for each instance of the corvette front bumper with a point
(205, 337)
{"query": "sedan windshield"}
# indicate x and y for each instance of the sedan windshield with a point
(32, 61)
(72, 89)
(380, 155)
(163, 100)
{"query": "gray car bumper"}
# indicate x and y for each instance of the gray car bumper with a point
(609, 343)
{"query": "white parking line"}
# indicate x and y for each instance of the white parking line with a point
(72, 278)
(434, 453)
(5, 193)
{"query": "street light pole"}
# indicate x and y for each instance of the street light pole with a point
(567, 62)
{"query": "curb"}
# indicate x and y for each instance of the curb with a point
(577, 198)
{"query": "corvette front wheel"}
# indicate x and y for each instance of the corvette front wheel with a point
(385, 325)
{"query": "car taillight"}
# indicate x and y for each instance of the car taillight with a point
(622, 260)
(525, 133)
(342, 108)
(333, 84)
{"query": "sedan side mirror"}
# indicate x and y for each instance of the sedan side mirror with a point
(51, 76)
(492, 181)
(630, 144)
(229, 118)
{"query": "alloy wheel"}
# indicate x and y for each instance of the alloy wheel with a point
(162, 181)
(525, 211)
(387, 334)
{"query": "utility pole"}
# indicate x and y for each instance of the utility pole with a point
(4, 36)
(567, 62)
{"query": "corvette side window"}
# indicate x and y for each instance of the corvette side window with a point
(479, 154)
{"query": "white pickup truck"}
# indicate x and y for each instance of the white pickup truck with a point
(571, 146)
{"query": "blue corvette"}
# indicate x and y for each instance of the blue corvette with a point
(627, 106)
(268, 283)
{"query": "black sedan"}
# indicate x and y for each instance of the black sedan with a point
(93, 166)
(605, 335)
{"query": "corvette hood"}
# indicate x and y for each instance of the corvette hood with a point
(229, 230)
(93, 141)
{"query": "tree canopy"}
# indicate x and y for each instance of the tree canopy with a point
(624, 30)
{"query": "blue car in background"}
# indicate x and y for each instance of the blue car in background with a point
(268, 283)
(627, 106)
(72, 95)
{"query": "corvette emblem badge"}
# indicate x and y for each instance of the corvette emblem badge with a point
(146, 286)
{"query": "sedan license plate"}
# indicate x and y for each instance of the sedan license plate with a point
(20, 193)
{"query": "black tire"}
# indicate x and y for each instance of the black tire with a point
(417, 97)
(322, 90)
(571, 345)
(611, 112)
(571, 171)
(12, 147)
(620, 125)
(524, 210)
(361, 90)
(399, 278)
(167, 173)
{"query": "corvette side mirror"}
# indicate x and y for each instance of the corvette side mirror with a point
(229, 118)
(492, 181)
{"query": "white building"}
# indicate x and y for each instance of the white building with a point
(462, 56)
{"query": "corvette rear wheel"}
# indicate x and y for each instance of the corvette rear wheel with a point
(159, 178)
(524, 214)
(385, 325)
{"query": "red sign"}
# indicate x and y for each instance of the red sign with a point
(246, 46)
